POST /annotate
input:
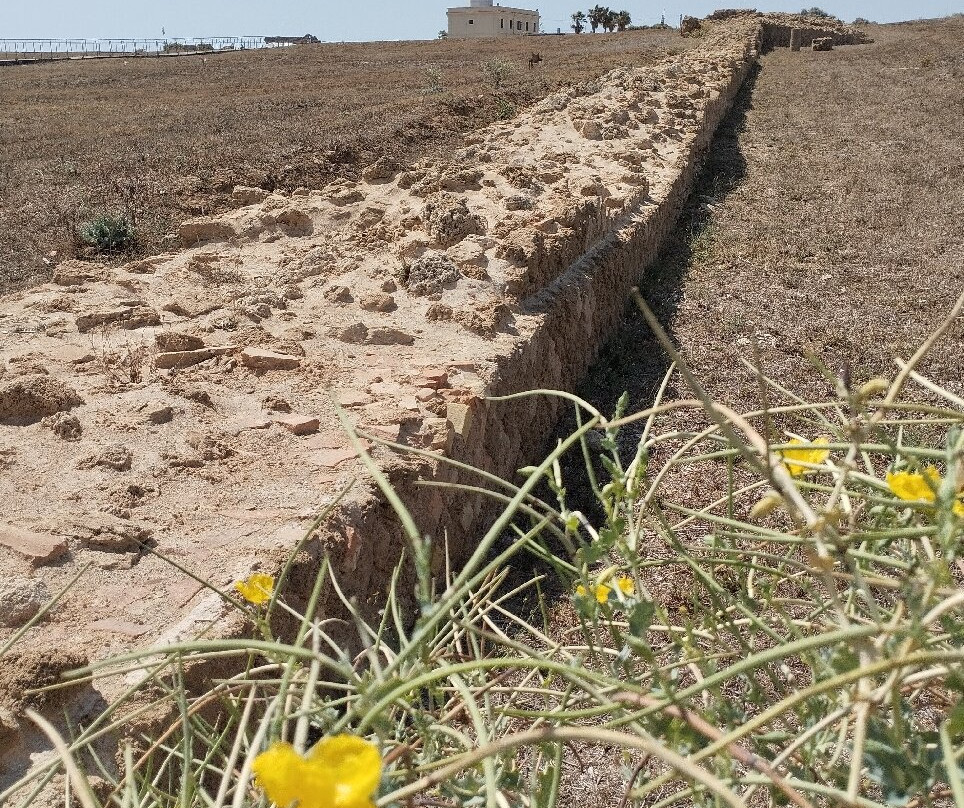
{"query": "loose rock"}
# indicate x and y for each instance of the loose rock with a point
(107, 533)
(129, 317)
(338, 294)
(430, 274)
(298, 424)
(64, 425)
(116, 457)
(448, 219)
(177, 341)
(260, 359)
(21, 600)
(388, 336)
(40, 548)
(377, 301)
(30, 398)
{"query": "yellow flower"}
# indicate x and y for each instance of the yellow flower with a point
(339, 772)
(599, 591)
(915, 487)
(257, 589)
(626, 585)
(810, 455)
(922, 487)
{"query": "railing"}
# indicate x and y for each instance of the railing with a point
(40, 48)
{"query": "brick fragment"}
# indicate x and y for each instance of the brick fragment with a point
(297, 424)
(40, 548)
(260, 359)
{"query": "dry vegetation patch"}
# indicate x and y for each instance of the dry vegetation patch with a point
(167, 139)
(827, 221)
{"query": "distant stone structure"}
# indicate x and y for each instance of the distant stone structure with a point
(307, 39)
(689, 25)
(483, 19)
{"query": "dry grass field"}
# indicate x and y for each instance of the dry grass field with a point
(169, 138)
(828, 221)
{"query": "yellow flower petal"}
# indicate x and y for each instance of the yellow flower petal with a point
(339, 772)
(284, 776)
(808, 455)
(958, 508)
(915, 487)
(357, 766)
(626, 585)
(601, 591)
(257, 589)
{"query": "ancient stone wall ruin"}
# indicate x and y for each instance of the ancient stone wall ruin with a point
(187, 402)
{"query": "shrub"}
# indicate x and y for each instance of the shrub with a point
(434, 85)
(496, 72)
(108, 234)
(504, 108)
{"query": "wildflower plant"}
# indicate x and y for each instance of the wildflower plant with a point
(789, 631)
(108, 233)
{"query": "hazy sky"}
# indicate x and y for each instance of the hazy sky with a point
(365, 19)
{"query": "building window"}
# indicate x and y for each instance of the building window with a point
(535, 28)
(503, 23)
(527, 26)
(471, 22)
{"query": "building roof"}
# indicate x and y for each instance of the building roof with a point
(493, 9)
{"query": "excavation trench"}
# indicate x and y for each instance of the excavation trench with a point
(515, 264)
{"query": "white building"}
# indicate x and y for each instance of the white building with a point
(482, 19)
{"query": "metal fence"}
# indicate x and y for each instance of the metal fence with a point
(167, 46)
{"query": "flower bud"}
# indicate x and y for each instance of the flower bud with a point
(766, 506)
(875, 387)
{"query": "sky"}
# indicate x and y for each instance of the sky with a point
(358, 20)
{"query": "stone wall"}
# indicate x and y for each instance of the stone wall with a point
(412, 296)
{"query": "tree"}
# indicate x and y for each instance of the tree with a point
(578, 22)
(815, 12)
(609, 22)
(597, 15)
(443, 34)
(623, 20)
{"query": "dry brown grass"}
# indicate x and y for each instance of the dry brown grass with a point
(827, 222)
(171, 137)
(829, 219)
